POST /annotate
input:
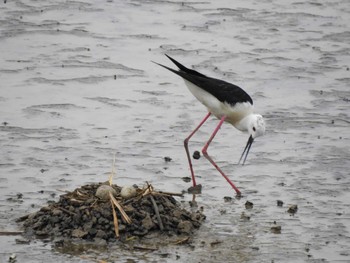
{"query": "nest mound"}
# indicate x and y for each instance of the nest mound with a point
(80, 214)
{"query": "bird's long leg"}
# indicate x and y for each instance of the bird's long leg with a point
(186, 146)
(205, 153)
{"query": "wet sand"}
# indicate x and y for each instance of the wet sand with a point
(78, 86)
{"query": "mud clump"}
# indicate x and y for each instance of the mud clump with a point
(82, 215)
(292, 209)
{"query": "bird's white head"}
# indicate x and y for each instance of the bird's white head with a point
(256, 125)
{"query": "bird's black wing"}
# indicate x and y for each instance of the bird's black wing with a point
(222, 90)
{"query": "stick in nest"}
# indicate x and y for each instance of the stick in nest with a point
(122, 212)
(115, 220)
(157, 213)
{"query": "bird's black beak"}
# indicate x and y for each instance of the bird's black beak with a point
(246, 149)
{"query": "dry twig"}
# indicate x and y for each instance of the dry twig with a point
(182, 241)
(121, 210)
(115, 219)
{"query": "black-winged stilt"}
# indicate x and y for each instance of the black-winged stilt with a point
(225, 101)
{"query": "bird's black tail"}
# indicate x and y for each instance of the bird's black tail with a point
(182, 68)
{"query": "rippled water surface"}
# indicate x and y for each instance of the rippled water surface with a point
(78, 87)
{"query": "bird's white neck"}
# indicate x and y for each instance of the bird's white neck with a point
(244, 124)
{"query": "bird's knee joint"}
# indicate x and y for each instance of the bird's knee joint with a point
(186, 141)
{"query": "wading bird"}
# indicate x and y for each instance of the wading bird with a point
(226, 101)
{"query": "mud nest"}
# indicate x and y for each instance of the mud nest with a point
(80, 214)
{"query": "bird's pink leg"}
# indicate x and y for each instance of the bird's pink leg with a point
(205, 153)
(186, 146)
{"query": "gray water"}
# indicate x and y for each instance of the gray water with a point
(78, 87)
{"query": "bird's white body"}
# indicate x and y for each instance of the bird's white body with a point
(240, 115)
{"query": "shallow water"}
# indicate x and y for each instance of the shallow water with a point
(78, 87)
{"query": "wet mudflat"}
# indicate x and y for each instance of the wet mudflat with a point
(78, 87)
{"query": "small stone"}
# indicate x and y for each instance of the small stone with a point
(87, 226)
(92, 231)
(292, 209)
(129, 209)
(279, 203)
(276, 229)
(228, 199)
(248, 205)
(78, 233)
(54, 219)
(185, 227)
(167, 159)
(103, 192)
(195, 189)
(186, 179)
(56, 212)
(196, 155)
(147, 222)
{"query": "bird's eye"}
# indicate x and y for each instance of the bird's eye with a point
(254, 129)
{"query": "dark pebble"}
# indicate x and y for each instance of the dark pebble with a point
(279, 203)
(196, 155)
(167, 159)
(228, 199)
(195, 189)
(292, 209)
(92, 231)
(248, 205)
(186, 179)
(276, 229)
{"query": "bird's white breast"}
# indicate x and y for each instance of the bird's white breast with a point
(233, 113)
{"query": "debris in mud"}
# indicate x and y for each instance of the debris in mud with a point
(195, 189)
(279, 203)
(186, 179)
(196, 155)
(248, 205)
(276, 229)
(292, 209)
(228, 199)
(245, 217)
(167, 159)
(82, 215)
(12, 258)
